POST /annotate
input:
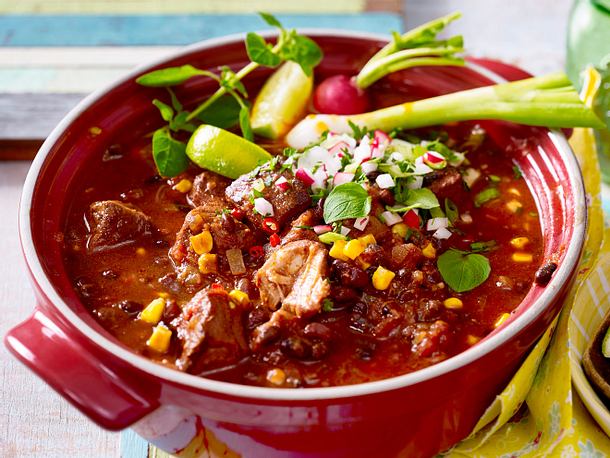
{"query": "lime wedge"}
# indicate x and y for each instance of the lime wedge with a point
(606, 344)
(281, 102)
(223, 152)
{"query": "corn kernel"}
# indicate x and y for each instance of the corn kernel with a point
(453, 303)
(196, 223)
(471, 340)
(429, 251)
(400, 229)
(159, 339)
(202, 243)
(239, 297)
(367, 240)
(382, 278)
(523, 258)
(353, 249)
(519, 242)
(207, 263)
(152, 312)
(140, 251)
(362, 263)
(276, 376)
(163, 294)
(336, 250)
(514, 206)
(183, 186)
(501, 320)
(514, 191)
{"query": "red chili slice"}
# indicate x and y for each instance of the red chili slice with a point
(275, 240)
(217, 286)
(237, 214)
(270, 225)
(256, 251)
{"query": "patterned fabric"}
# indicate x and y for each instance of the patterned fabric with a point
(537, 414)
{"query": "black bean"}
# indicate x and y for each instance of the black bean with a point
(172, 310)
(319, 331)
(544, 274)
(228, 222)
(343, 294)
(319, 349)
(360, 308)
(257, 317)
(349, 275)
(131, 308)
(296, 347)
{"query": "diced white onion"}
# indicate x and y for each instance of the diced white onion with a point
(313, 156)
(334, 139)
(416, 183)
(368, 167)
(396, 157)
(361, 223)
(362, 151)
(345, 230)
(436, 223)
(319, 178)
(470, 176)
(421, 168)
(385, 181)
(466, 218)
(263, 206)
(281, 182)
(391, 218)
(458, 159)
(342, 177)
(442, 233)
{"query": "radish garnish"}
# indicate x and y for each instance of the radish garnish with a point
(322, 229)
(282, 183)
(361, 223)
(304, 176)
(342, 177)
(369, 167)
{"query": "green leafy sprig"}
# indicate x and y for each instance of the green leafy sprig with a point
(229, 105)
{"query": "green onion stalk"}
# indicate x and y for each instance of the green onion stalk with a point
(549, 101)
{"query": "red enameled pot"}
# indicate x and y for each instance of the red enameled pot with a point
(414, 415)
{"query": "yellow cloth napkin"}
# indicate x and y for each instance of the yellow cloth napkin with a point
(550, 420)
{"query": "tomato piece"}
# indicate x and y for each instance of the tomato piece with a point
(237, 214)
(274, 240)
(411, 219)
(256, 251)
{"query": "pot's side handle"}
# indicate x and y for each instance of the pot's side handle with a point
(112, 401)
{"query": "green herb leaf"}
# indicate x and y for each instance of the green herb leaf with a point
(348, 200)
(415, 198)
(486, 195)
(302, 50)
(223, 113)
(479, 247)
(175, 102)
(167, 112)
(260, 51)
(270, 19)
(170, 76)
(331, 237)
(327, 305)
(169, 154)
(517, 172)
(463, 271)
(244, 123)
(180, 123)
(451, 211)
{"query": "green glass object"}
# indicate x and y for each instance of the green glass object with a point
(589, 44)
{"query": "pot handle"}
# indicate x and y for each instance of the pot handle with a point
(111, 398)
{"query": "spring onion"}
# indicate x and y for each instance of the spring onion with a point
(549, 101)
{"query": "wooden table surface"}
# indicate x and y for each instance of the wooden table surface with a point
(34, 420)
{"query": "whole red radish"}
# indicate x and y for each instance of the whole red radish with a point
(339, 95)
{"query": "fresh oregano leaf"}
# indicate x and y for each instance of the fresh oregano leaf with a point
(462, 270)
(169, 154)
(416, 198)
(223, 113)
(244, 123)
(302, 50)
(270, 19)
(259, 51)
(170, 76)
(175, 102)
(167, 112)
(229, 80)
(346, 201)
(451, 211)
(180, 123)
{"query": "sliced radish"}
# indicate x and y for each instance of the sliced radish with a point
(421, 168)
(380, 142)
(304, 176)
(342, 177)
(362, 151)
(433, 157)
(436, 223)
(442, 233)
(361, 223)
(368, 167)
(339, 148)
(345, 230)
(385, 181)
(263, 206)
(322, 229)
(282, 183)
(391, 218)
(319, 178)
(411, 218)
